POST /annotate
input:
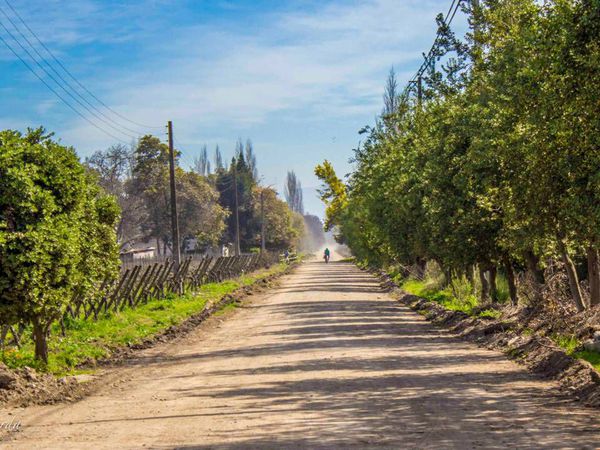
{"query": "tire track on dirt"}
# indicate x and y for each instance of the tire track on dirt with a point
(326, 360)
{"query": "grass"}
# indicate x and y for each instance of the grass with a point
(465, 301)
(590, 356)
(572, 347)
(90, 340)
(445, 297)
(568, 343)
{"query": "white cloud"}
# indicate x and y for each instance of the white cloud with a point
(332, 61)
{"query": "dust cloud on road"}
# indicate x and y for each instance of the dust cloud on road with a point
(327, 360)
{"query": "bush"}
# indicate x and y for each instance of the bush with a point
(57, 232)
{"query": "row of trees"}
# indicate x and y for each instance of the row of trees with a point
(207, 199)
(495, 164)
(63, 223)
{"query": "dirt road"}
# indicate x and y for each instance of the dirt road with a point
(327, 360)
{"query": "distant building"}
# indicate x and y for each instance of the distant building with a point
(137, 254)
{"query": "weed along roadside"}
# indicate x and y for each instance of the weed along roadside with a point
(84, 344)
(547, 347)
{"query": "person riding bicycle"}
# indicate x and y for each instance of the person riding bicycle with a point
(326, 255)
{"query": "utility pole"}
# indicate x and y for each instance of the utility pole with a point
(420, 91)
(262, 222)
(174, 221)
(237, 213)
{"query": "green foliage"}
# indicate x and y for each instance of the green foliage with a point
(497, 166)
(57, 232)
(200, 214)
(333, 193)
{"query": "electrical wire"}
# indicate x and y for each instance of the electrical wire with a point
(62, 66)
(57, 73)
(183, 155)
(58, 95)
(60, 85)
(429, 57)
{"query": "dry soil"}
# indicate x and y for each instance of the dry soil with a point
(325, 360)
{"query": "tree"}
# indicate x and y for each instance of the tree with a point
(113, 168)
(283, 228)
(495, 165)
(202, 163)
(238, 176)
(200, 215)
(57, 233)
(333, 194)
(390, 95)
(293, 193)
(150, 178)
(251, 159)
(218, 160)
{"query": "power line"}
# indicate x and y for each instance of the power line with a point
(58, 84)
(58, 95)
(62, 66)
(429, 57)
(58, 74)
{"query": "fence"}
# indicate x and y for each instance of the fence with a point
(140, 283)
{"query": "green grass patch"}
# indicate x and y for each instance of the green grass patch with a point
(590, 356)
(571, 345)
(490, 314)
(444, 297)
(225, 309)
(568, 343)
(88, 340)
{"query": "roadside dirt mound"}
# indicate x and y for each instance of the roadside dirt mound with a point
(26, 386)
(521, 333)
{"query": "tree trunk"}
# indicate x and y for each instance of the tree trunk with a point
(157, 247)
(533, 265)
(537, 276)
(510, 277)
(485, 287)
(41, 341)
(469, 274)
(493, 271)
(447, 277)
(572, 276)
(593, 261)
(421, 264)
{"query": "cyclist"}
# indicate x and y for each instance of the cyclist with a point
(326, 255)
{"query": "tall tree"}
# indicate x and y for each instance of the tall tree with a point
(390, 95)
(150, 181)
(113, 167)
(238, 176)
(218, 160)
(251, 159)
(293, 193)
(202, 162)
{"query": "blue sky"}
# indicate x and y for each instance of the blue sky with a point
(299, 78)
